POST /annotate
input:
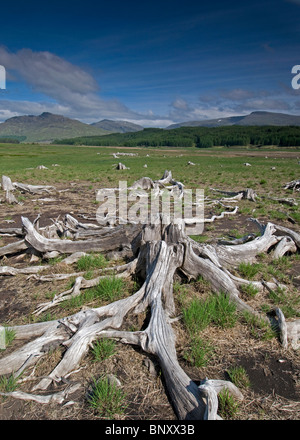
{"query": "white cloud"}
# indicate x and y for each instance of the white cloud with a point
(74, 92)
(180, 104)
(61, 87)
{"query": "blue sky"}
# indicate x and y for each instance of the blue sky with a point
(153, 63)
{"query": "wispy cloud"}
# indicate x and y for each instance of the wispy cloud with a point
(68, 87)
(61, 87)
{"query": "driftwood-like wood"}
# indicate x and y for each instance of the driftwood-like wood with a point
(13, 248)
(33, 189)
(121, 166)
(248, 194)
(113, 239)
(158, 252)
(285, 245)
(294, 185)
(6, 183)
(10, 198)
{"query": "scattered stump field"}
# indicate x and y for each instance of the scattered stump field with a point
(171, 325)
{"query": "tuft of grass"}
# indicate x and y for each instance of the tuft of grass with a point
(296, 216)
(199, 352)
(248, 270)
(225, 314)
(196, 315)
(110, 288)
(228, 406)
(199, 238)
(107, 399)
(217, 309)
(103, 349)
(8, 384)
(88, 262)
(239, 377)
(289, 303)
(250, 290)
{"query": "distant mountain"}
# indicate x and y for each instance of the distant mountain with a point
(254, 118)
(46, 127)
(117, 126)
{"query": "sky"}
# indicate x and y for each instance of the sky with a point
(153, 63)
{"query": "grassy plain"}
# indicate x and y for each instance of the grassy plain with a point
(216, 166)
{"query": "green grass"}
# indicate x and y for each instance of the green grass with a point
(199, 238)
(103, 349)
(248, 270)
(217, 310)
(16, 159)
(8, 384)
(287, 301)
(228, 407)
(239, 377)
(87, 262)
(225, 315)
(196, 316)
(110, 288)
(107, 399)
(250, 290)
(199, 352)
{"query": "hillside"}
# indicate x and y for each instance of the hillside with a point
(46, 127)
(117, 126)
(254, 118)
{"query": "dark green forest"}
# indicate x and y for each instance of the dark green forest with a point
(201, 137)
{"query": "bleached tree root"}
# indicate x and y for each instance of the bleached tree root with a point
(294, 185)
(112, 239)
(162, 251)
(59, 398)
(13, 248)
(286, 244)
(222, 215)
(248, 194)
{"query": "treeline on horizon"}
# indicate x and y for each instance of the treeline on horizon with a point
(12, 139)
(201, 137)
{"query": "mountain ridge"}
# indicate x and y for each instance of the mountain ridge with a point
(254, 118)
(117, 126)
(46, 127)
